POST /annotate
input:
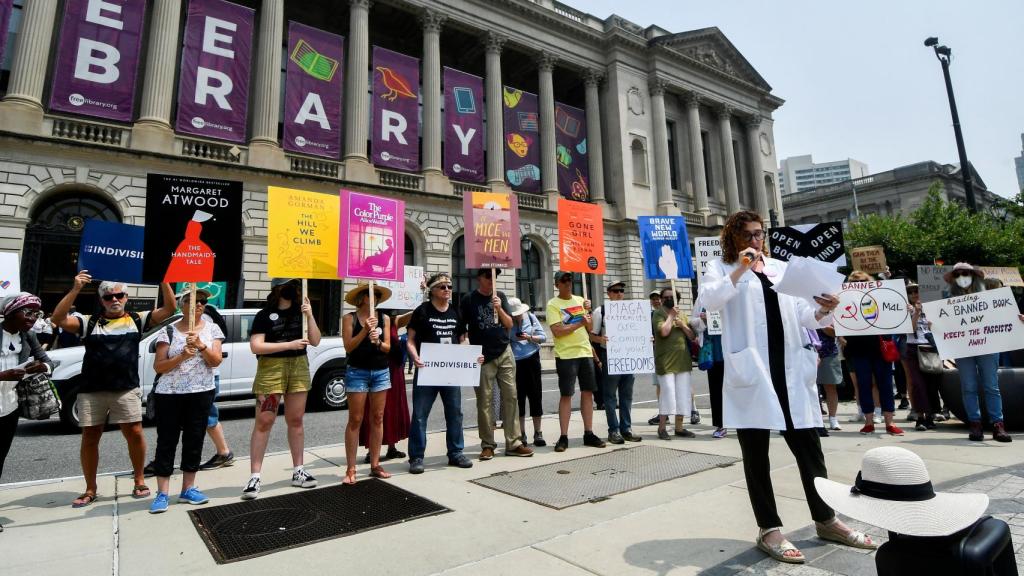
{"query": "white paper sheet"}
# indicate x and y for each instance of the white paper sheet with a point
(806, 278)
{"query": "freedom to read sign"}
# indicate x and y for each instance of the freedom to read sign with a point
(976, 324)
(630, 350)
(706, 249)
(449, 365)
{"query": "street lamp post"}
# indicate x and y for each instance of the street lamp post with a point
(945, 55)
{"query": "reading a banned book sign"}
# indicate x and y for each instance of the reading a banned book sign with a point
(976, 324)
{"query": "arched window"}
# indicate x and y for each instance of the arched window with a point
(410, 251)
(462, 279)
(529, 278)
(639, 150)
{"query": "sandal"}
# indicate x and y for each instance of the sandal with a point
(350, 477)
(379, 472)
(141, 491)
(84, 499)
(853, 538)
(778, 551)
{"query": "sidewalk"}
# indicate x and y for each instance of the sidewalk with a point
(696, 524)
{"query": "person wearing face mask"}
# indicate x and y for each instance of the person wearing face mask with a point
(769, 379)
(977, 371)
(672, 364)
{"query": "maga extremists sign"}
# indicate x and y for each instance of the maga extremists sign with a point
(630, 350)
(819, 241)
(976, 324)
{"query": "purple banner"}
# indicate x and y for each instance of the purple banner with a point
(571, 153)
(6, 7)
(312, 93)
(463, 126)
(371, 240)
(522, 140)
(396, 128)
(98, 58)
(213, 92)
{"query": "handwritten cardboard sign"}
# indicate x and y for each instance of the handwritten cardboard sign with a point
(706, 249)
(931, 284)
(1009, 276)
(870, 259)
(405, 295)
(630, 349)
(976, 324)
(580, 237)
(873, 308)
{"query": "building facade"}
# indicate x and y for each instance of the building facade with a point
(677, 123)
(801, 173)
(1018, 163)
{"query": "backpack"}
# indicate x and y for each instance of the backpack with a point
(214, 315)
(95, 319)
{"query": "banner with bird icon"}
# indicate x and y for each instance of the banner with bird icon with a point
(395, 142)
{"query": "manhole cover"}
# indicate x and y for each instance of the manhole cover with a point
(266, 521)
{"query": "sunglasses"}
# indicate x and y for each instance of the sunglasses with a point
(112, 297)
(443, 286)
(961, 274)
(31, 314)
(618, 290)
(201, 301)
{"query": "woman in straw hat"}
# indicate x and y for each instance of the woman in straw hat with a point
(367, 338)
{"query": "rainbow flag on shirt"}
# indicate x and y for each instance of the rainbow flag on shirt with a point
(573, 315)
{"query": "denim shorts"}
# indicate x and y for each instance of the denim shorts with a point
(366, 380)
(214, 418)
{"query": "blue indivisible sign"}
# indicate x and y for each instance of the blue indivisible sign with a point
(111, 251)
(666, 247)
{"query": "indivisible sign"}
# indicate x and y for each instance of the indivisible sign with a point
(193, 229)
(571, 152)
(112, 251)
(706, 249)
(213, 91)
(873, 308)
(312, 92)
(492, 230)
(405, 295)
(819, 241)
(976, 324)
(98, 58)
(449, 365)
(396, 129)
(218, 292)
(464, 126)
(630, 348)
(666, 247)
(302, 235)
(931, 284)
(522, 140)
(372, 237)
(870, 259)
(10, 274)
(580, 237)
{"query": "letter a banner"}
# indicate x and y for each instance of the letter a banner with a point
(312, 93)
(580, 237)
(302, 236)
(193, 229)
(371, 242)
(492, 230)
(98, 58)
(396, 127)
(666, 248)
(463, 126)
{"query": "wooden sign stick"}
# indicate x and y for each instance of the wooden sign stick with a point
(305, 321)
(192, 300)
(494, 288)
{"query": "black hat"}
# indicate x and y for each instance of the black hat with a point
(487, 272)
(563, 276)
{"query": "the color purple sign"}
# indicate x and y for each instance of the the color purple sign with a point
(463, 126)
(6, 6)
(571, 153)
(213, 93)
(98, 58)
(371, 241)
(396, 129)
(312, 93)
(522, 140)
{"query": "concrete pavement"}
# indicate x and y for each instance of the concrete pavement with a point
(696, 524)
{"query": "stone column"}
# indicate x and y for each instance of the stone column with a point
(700, 180)
(753, 126)
(432, 134)
(595, 153)
(732, 190)
(264, 149)
(153, 131)
(22, 109)
(495, 129)
(548, 166)
(662, 176)
(357, 99)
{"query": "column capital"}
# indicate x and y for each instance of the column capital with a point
(495, 42)
(432, 20)
(546, 61)
(724, 111)
(592, 77)
(360, 3)
(656, 86)
(692, 99)
(752, 122)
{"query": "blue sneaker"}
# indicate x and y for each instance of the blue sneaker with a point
(192, 496)
(159, 504)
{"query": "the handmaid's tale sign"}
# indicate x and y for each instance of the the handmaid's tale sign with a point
(492, 230)
(976, 324)
(580, 237)
(372, 237)
(630, 350)
(302, 236)
(873, 308)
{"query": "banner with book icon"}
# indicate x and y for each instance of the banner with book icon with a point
(492, 230)
(395, 142)
(193, 229)
(302, 234)
(463, 126)
(580, 237)
(571, 152)
(522, 139)
(312, 92)
(371, 241)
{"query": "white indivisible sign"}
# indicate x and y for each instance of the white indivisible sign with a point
(976, 324)
(873, 309)
(628, 326)
(10, 274)
(449, 365)
(404, 295)
(706, 249)
(931, 285)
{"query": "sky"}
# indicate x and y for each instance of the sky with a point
(858, 81)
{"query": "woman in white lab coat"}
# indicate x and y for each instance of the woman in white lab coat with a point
(770, 375)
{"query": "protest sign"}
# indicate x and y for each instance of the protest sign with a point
(492, 230)
(449, 365)
(405, 295)
(193, 229)
(806, 278)
(371, 241)
(706, 249)
(302, 235)
(112, 251)
(873, 308)
(10, 273)
(218, 292)
(628, 326)
(822, 241)
(580, 237)
(976, 324)
(1009, 276)
(870, 259)
(931, 284)
(666, 247)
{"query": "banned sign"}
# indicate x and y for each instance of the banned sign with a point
(873, 308)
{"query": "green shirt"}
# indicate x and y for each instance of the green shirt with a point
(569, 312)
(672, 352)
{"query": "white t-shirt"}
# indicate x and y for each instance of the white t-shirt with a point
(10, 349)
(192, 375)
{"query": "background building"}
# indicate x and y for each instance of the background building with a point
(1019, 165)
(801, 173)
